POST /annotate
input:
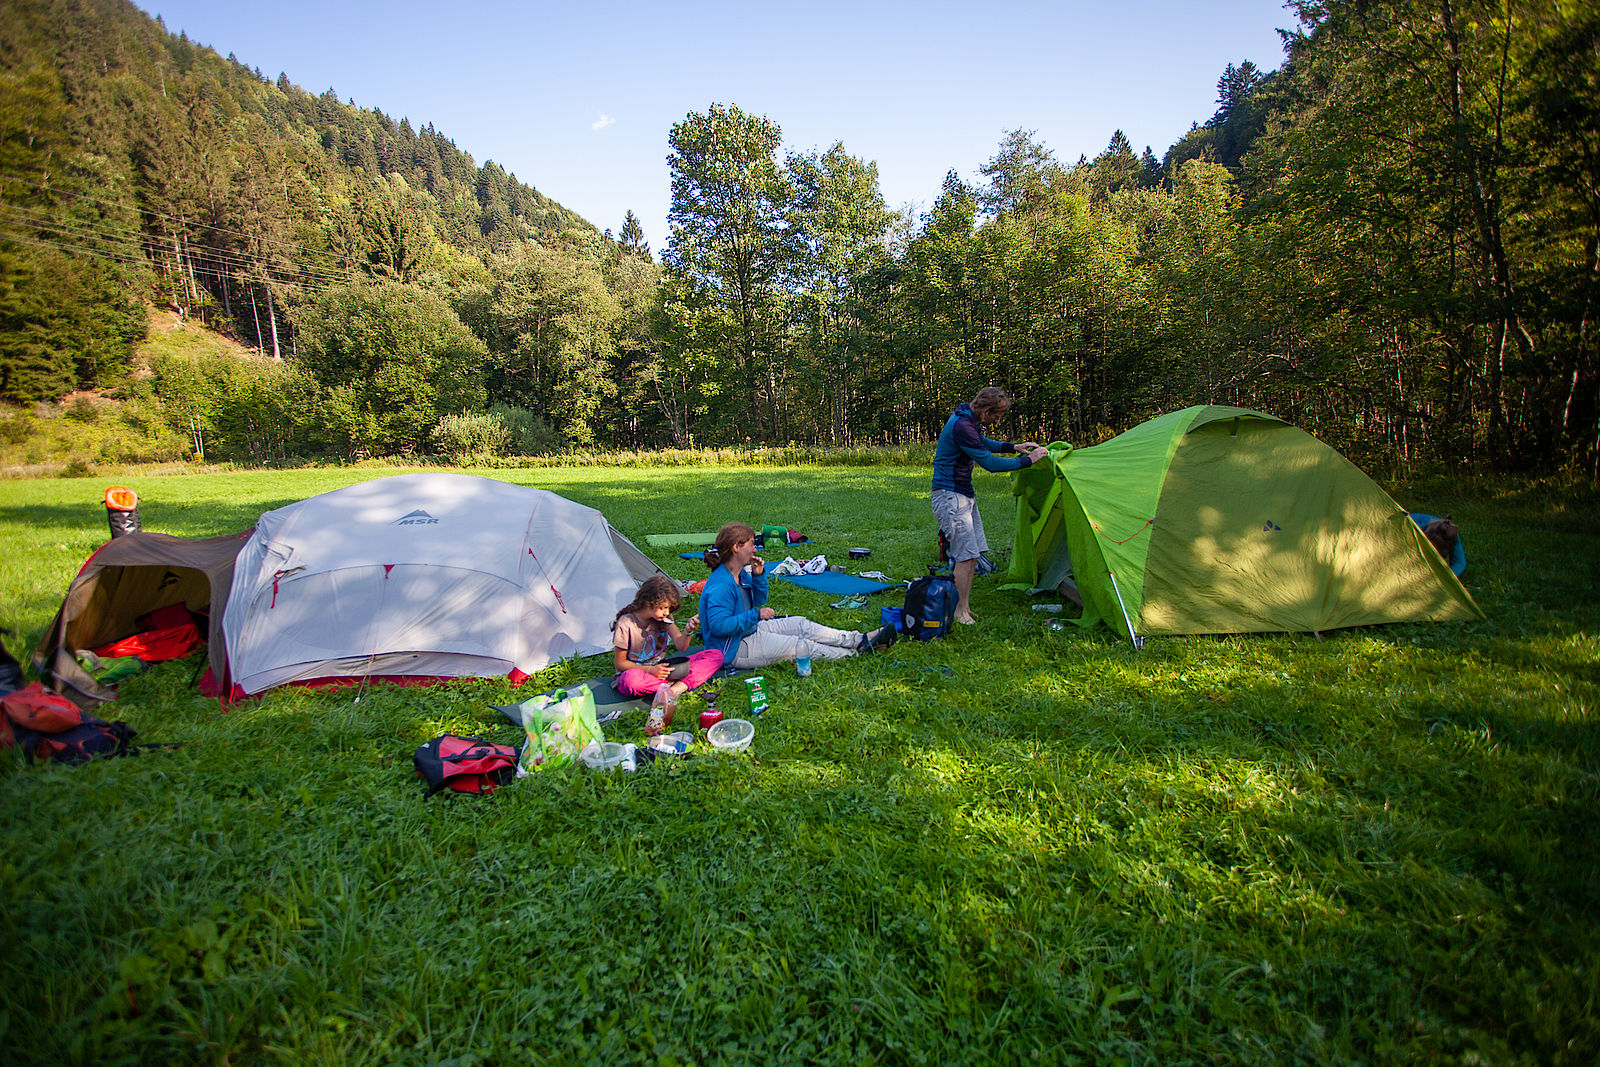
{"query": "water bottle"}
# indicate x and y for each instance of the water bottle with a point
(1051, 608)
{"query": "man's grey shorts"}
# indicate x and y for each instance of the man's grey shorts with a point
(961, 524)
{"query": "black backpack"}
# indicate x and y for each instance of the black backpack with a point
(930, 608)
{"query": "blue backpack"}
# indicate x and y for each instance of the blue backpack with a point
(930, 608)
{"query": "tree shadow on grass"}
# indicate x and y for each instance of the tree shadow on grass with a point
(208, 518)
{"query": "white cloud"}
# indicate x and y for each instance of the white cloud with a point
(602, 122)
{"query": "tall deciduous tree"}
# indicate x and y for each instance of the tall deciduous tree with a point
(394, 225)
(1404, 172)
(939, 344)
(728, 247)
(550, 322)
(838, 225)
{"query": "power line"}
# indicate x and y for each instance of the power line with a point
(133, 251)
(212, 259)
(55, 246)
(181, 224)
(119, 253)
(215, 258)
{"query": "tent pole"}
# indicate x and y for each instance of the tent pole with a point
(1138, 642)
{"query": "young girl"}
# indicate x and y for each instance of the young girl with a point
(645, 635)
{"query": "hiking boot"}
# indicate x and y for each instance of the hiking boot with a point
(883, 637)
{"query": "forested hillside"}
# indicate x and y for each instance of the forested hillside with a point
(141, 169)
(1392, 240)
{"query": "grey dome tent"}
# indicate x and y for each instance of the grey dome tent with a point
(430, 575)
(417, 575)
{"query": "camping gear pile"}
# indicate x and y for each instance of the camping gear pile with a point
(50, 728)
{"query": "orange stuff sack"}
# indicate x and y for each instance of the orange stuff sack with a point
(34, 708)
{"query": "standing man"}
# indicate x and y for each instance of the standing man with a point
(961, 444)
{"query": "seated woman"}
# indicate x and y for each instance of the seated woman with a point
(734, 621)
(645, 634)
(1444, 535)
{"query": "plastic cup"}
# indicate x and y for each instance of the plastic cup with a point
(802, 665)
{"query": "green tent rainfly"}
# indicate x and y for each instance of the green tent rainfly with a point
(1225, 520)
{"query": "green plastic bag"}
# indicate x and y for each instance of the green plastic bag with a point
(558, 725)
(109, 671)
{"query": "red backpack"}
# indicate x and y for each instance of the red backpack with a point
(51, 727)
(465, 764)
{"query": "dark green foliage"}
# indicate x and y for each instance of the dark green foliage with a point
(632, 236)
(251, 410)
(1421, 250)
(65, 322)
(551, 325)
(389, 361)
(499, 432)
(1390, 241)
(728, 256)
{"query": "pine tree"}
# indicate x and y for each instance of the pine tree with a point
(632, 238)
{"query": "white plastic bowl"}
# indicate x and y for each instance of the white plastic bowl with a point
(731, 735)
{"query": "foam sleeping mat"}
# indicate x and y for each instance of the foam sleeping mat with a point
(835, 582)
(680, 539)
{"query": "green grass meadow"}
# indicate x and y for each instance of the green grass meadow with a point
(1012, 846)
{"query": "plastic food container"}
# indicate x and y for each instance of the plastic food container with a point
(731, 735)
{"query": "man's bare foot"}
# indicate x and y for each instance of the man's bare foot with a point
(966, 620)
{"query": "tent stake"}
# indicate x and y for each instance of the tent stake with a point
(1138, 642)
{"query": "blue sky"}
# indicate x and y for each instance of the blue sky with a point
(577, 99)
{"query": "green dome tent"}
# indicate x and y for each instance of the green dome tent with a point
(1224, 520)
